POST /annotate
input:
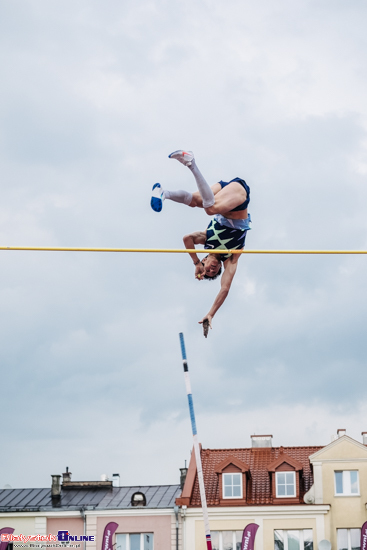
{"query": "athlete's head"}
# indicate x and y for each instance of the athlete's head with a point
(212, 265)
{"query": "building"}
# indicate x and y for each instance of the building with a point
(297, 495)
(146, 515)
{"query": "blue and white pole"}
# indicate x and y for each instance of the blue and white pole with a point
(196, 444)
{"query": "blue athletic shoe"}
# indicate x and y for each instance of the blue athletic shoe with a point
(156, 202)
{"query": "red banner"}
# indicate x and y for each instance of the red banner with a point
(248, 537)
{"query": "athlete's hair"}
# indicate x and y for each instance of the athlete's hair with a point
(211, 278)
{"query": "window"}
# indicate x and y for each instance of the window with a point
(347, 483)
(134, 541)
(286, 484)
(226, 540)
(293, 539)
(232, 485)
(138, 499)
(349, 539)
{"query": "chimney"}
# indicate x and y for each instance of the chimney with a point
(341, 432)
(364, 435)
(104, 477)
(183, 476)
(261, 441)
(55, 487)
(66, 476)
(115, 480)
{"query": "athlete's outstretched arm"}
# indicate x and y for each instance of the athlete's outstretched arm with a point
(230, 268)
(198, 237)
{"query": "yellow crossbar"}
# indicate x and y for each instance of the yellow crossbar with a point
(176, 250)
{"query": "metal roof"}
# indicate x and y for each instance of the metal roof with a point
(114, 498)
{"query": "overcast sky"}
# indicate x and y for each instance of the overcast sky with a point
(93, 97)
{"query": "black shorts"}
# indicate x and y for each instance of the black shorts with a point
(245, 204)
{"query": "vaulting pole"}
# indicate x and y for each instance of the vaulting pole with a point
(196, 444)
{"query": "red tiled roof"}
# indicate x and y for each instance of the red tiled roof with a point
(258, 459)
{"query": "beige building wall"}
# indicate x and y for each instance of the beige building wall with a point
(21, 524)
(346, 511)
(91, 530)
(269, 518)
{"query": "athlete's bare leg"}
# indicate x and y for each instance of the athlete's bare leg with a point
(214, 199)
(226, 199)
(197, 201)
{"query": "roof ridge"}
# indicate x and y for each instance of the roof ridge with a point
(265, 448)
(88, 488)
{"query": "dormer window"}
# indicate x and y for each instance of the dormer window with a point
(285, 477)
(138, 499)
(285, 484)
(233, 480)
(232, 485)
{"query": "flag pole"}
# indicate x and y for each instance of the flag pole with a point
(196, 444)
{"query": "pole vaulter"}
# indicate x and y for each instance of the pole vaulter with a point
(227, 202)
(224, 238)
(196, 445)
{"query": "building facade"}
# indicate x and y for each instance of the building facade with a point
(146, 515)
(298, 496)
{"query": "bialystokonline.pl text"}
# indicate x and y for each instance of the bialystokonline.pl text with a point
(32, 545)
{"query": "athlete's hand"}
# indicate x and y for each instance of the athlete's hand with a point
(199, 272)
(207, 318)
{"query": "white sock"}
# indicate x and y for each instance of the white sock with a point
(178, 196)
(204, 189)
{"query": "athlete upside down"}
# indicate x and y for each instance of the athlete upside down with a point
(228, 202)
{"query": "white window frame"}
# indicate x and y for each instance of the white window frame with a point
(234, 542)
(294, 484)
(285, 536)
(347, 486)
(349, 535)
(128, 539)
(241, 485)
